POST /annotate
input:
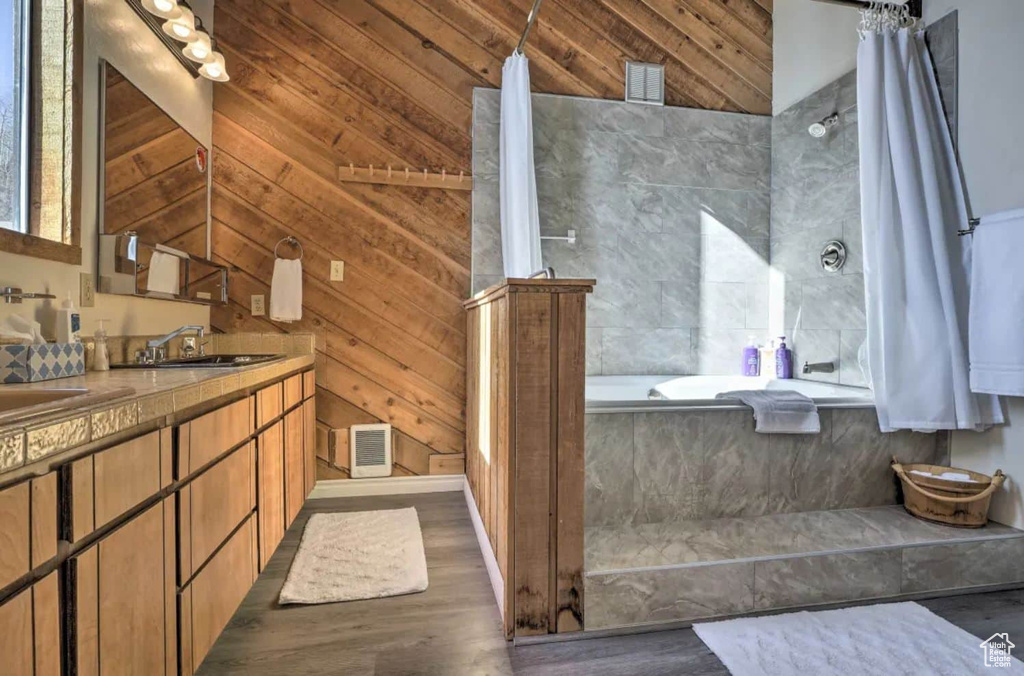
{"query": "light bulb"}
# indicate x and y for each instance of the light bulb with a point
(165, 9)
(200, 49)
(214, 69)
(182, 29)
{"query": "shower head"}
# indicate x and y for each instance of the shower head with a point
(821, 127)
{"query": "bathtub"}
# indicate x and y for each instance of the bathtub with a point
(630, 394)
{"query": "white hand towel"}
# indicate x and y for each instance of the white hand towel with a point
(286, 291)
(996, 315)
(779, 411)
(163, 273)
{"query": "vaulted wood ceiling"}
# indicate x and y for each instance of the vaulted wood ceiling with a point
(317, 84)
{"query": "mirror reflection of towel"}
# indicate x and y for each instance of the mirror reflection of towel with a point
(163, 273)
(286, 291)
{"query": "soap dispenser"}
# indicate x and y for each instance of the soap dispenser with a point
(69, 322)
(101, 355)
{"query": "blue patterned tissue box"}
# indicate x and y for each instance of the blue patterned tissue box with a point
(32, 363)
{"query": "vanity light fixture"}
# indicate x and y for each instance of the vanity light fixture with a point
(165, 9)
(182, 29)
(174, 22)
(200, 49)
(215, 69)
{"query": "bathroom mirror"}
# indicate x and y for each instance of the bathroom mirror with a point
(154, 173)
(154, 201)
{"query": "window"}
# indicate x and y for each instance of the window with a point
(13, 105)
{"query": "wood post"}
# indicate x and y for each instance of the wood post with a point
(524, 446)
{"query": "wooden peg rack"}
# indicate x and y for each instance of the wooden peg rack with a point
(409, 177)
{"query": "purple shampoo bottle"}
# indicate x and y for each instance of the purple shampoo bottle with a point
(783, 360)
(751, 359)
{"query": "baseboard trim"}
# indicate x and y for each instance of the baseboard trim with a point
(490, 562)
(392, 485)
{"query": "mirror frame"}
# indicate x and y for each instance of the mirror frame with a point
(69, 251)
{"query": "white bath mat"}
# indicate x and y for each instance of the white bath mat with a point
(357, 555)
(883, 640)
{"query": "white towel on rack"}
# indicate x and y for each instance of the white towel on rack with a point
(286, 291)
(163, 273)
(779, 411)
(996, 316)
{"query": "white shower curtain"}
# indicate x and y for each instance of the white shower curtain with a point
(520, 221)
(916, 269)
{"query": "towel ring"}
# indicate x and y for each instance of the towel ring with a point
(289, 240)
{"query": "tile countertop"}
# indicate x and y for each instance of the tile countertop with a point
(119, 400)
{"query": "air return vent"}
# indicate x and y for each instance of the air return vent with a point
(370, 448)
(645, 83)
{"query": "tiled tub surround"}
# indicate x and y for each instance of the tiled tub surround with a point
(671, 212)
(652, 467)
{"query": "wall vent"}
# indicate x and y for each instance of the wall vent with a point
(370, 448)
(645, 83)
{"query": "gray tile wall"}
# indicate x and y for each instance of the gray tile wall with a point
(815, 198)
(671, 210)
(654, 467)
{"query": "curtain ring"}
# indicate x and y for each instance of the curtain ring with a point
(293, 242)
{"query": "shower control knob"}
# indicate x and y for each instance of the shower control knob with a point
(833, 256)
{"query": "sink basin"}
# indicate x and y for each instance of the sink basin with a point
(14, 399)
(212, 361)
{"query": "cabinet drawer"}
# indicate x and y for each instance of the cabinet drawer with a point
(309, 384)
(28, 526)
(124, 621)
(110, 483)
(212, 505)
(292, 391)
(30, 630)
(269, 404)
(208, 436)
(209, 601)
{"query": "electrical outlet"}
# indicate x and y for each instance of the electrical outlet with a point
(258, 305)
(337, 271)
(87, 291)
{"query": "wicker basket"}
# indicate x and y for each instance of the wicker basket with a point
(954, 503)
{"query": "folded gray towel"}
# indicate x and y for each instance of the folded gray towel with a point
(779, 411)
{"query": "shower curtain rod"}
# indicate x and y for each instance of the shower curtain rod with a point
(913, 6)
(529, 24)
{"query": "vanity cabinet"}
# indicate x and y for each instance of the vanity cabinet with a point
(163, 535)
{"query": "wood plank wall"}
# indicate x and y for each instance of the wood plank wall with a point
(322, 83)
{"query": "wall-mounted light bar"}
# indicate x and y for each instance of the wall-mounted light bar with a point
(174, 22)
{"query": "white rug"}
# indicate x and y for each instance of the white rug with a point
(886, 639)
(357, 555)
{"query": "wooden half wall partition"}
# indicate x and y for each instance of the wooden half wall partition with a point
(524, 445)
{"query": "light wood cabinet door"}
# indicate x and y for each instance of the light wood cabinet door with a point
(309, 443)
(294, 466)
(269, 404)
(292, 391)
(124, 622)
(30, 630)
(28, 526)
(270, 505)
(204, 439)
(211, 598)
(211, 506)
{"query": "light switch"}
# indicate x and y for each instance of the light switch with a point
(87, 291)
(258, 305)
(337, 271)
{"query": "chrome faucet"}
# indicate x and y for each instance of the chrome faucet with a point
(156, 351)
(820, 367)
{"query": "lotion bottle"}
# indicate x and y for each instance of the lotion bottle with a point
(751, 359)
(69, 322)
(101, 355)
(783, 360)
